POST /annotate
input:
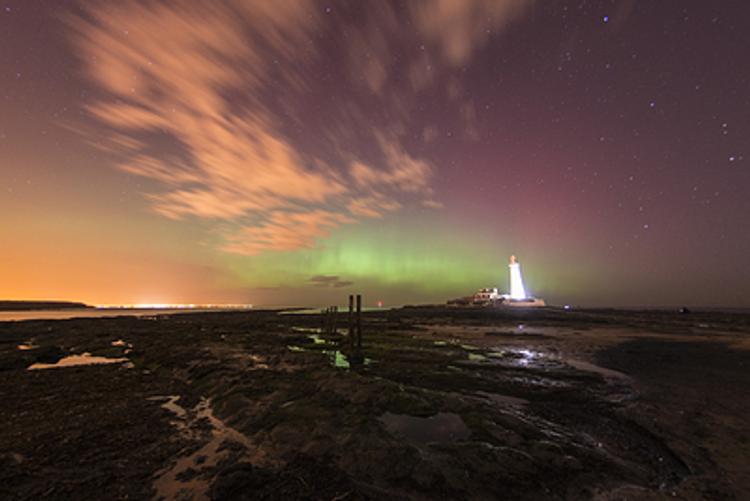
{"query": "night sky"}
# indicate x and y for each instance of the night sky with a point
(293, 152)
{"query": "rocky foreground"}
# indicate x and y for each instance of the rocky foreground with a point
(453, 404)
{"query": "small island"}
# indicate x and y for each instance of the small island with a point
(41, 305)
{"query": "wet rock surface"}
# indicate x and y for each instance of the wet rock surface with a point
(441, 403)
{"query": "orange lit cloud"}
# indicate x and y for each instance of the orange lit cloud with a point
(284, 231)
(168, 69)
(207, 100)
(374, 206)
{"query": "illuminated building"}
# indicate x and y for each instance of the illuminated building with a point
(517, 291)
(518, 296)
(492, 297)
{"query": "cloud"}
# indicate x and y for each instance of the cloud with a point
(285, 231)
(402, 171)
(458, 27)
(333, 281)
(236, 112)
(432, 204)
(373, 206)
(193, 79)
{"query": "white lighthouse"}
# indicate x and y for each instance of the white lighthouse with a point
(518, 296)
(517, 291)
(492, 297)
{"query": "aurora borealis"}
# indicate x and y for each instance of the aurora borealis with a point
(293, 152)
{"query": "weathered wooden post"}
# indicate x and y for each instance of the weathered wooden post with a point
(359, 321)
(351, 321)
(334, 318)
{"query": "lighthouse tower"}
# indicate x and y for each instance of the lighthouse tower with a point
(517, 292)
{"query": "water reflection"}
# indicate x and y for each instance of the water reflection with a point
(517, 357)
(306, 329)
(79, 360)
(336, 357)
(174, 482)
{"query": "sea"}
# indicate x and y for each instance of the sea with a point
(17, 316)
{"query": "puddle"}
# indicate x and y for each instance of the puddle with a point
(80, 360)
(469, 347)
(440, 343)
(336, 358)
(504, 400)
(442, 427)
(340, 360)
(170, 483)
(526, 356)
(258, 361)
(318, 330)
(476, 357)
(307, 329)
(171, 405)
(316, 339)
(515, 357)
(589, 367)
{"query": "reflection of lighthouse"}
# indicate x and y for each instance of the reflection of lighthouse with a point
(517, 292)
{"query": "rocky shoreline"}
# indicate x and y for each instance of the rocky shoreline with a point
(442, 403)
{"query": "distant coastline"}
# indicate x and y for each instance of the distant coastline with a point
(41, 305)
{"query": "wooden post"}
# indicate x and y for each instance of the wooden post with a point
(351, 321)
(359, 321)
(334, 318)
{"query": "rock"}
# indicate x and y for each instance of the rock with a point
(48, 354)
(237, 481)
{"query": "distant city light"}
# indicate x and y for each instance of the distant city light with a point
(166, 306)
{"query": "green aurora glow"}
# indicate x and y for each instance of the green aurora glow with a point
(398, 260)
